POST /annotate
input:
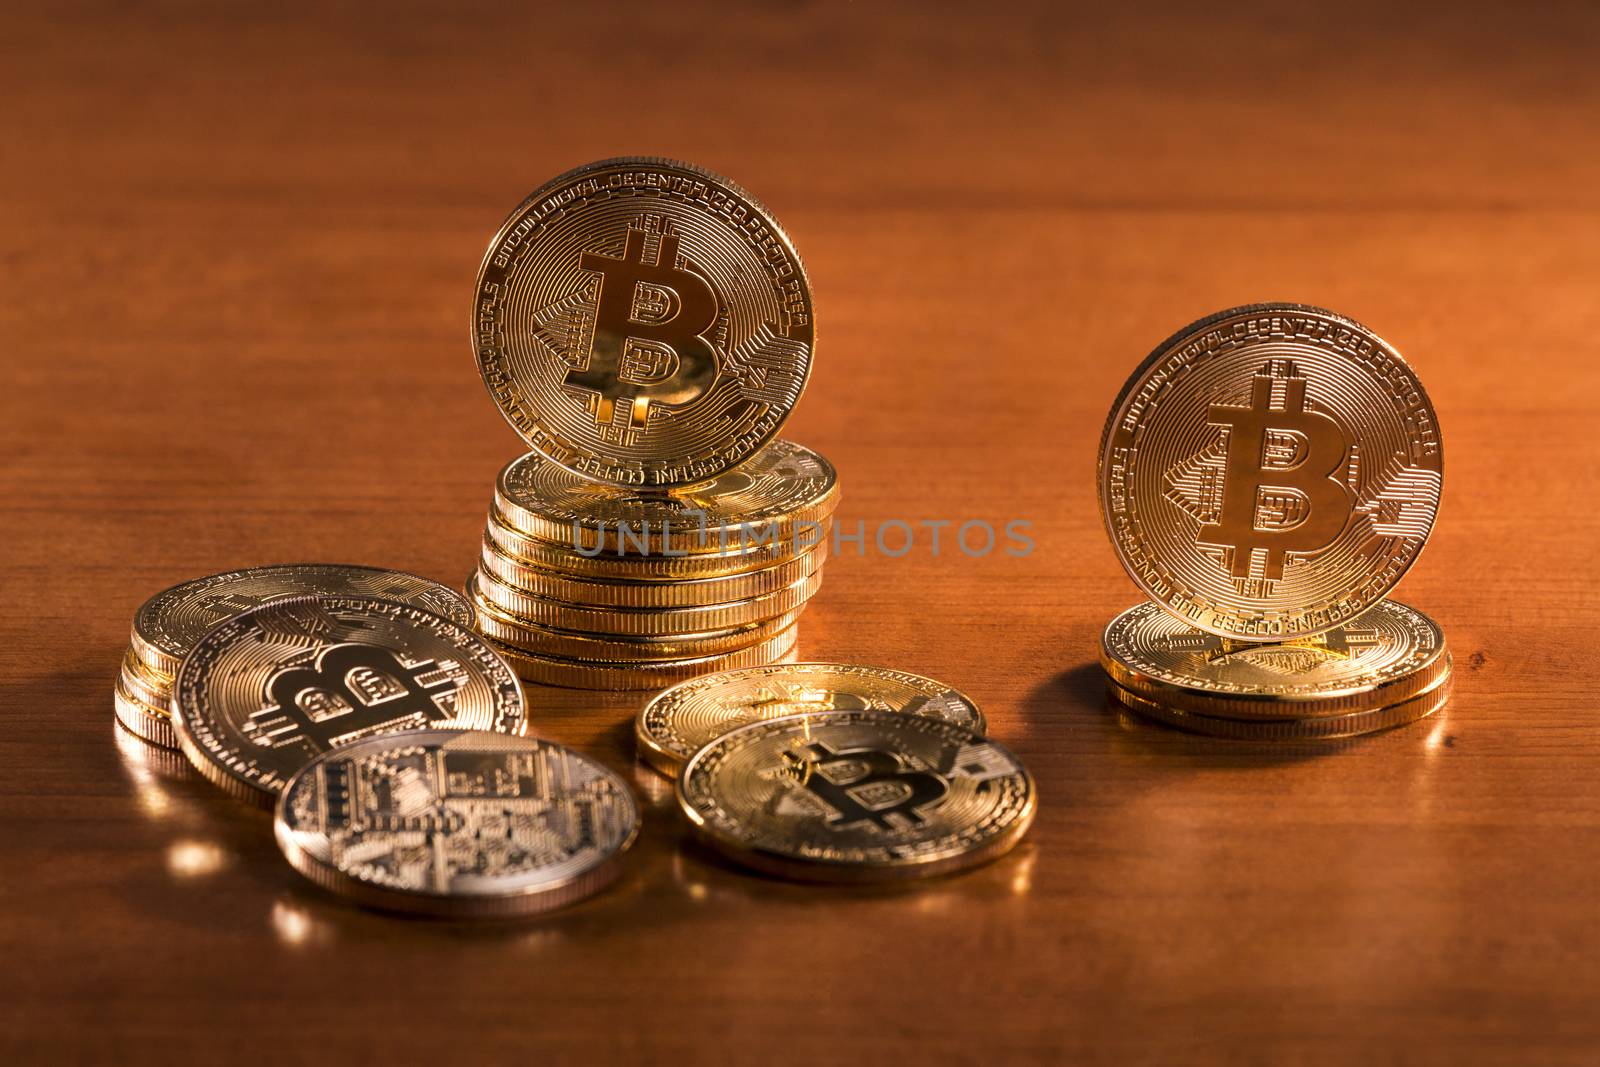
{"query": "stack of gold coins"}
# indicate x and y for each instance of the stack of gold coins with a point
(168, 625)
(646, 327)
(1267, 476)
(585, 586)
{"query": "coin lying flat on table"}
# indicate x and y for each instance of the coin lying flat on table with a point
(169, 623)
(264, 692)
(457, 823)
(856, 796)
(643, 322)
(1387, 654)
(682, 719)
(1312, 728)
(780, 495)
(1270, 472)
(143, 720)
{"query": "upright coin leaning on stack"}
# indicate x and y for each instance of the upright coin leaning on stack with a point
(1267, 476)
(646, 327)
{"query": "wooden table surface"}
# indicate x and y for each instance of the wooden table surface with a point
(237, 249)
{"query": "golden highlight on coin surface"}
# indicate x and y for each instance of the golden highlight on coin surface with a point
(457, 823)
(1313, 728)
(781, 496)
(1388, 653)
(857, 796)
(264, 692)
(169, 623)
(680, 720)
(643, 323)
(1270, 471)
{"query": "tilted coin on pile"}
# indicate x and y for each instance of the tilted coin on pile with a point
(646, 326)
(1267, 476)
(169, 624)
(263, 693)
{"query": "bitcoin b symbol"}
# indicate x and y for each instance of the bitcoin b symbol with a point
(649, 328)
(867, 785)
(350, 690)
(1280, 490)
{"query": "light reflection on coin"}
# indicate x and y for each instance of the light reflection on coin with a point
(679, 720)
(264, 692)
(1314, 728)
(457, 823)
(856, 796)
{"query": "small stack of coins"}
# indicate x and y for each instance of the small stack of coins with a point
(1267, 476)
(167, 626)
(646, 327)
(590, 587)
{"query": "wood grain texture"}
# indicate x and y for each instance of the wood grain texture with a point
(236, 253)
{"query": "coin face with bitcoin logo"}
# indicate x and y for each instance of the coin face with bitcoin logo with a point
(1270, 472)
(643, 323)
(856, 796)
(680, 720)
(263, 693)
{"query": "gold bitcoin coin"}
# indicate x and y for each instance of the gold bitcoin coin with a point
(685, 717)
(643, 323)
(643, 622)
(651, 674)
(169, 623)
(144, 721)
(1270, 472)
(457, 823)
(516, 548)
(625, 593)
(782, 495)
(623, 648)
(856, 796)
(265, 691)
(1385, 655)
(1320, 727)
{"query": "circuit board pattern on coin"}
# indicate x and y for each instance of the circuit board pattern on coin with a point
(643, 322)
(457, 822)
(169, 623)
(263, 693)
(857, 796)
(1270, 471)
(685, 717)
(770, 499)
(1384, 655)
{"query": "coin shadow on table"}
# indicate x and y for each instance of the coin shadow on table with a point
(1078, 696)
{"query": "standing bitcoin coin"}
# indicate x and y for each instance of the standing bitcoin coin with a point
(457, 822)
(682, 719)
(264, 692)
(857, 796)
(1270, 471)
(643, 323)
(169, 623)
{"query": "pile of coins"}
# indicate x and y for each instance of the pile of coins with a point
(168, 625)
(646, 327)
(1267, 476)
(832, 772)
